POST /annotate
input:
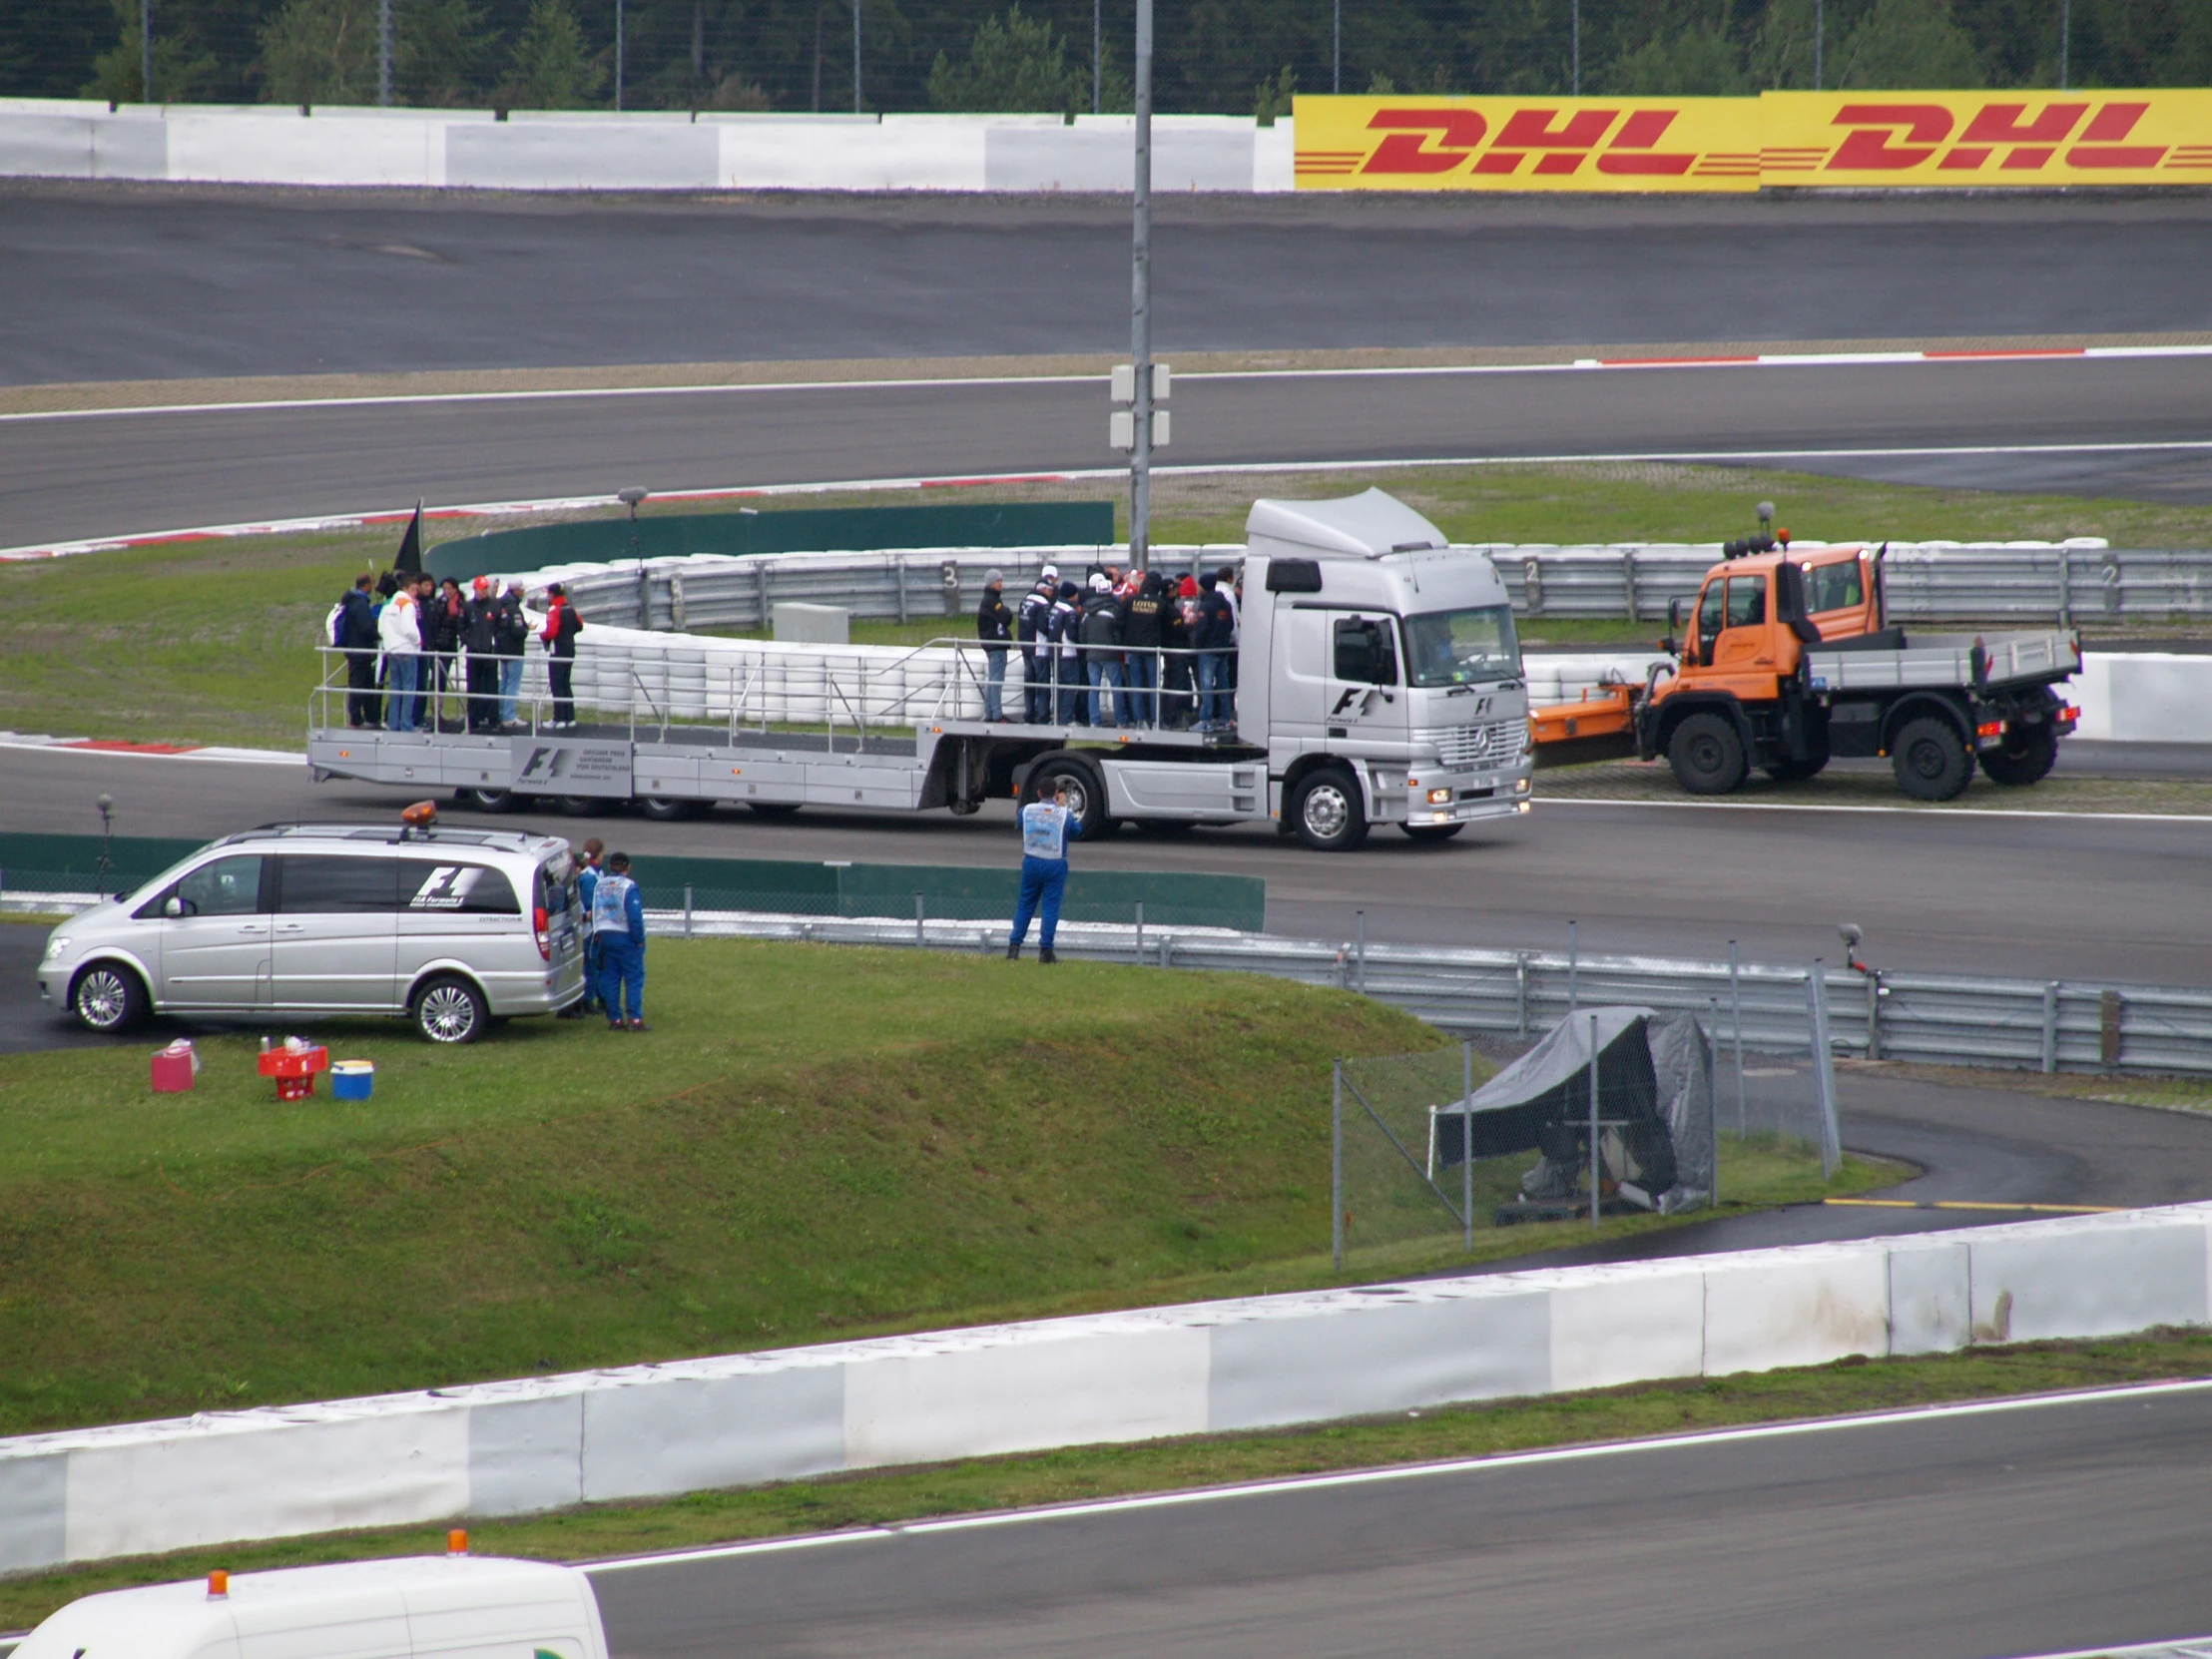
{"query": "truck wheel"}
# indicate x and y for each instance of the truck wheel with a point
(1707, 754)
(661, 810)
(1931, 760)
(1086, 794)
(1433, 832)
(484, 800)
(448, 1009)
(773, 809)
(108, 997)
(1795, 771)
(1168, 827)
(580, 805)
(2025, 757)
(1327, 813)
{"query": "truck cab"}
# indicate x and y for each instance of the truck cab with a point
(1379, 669)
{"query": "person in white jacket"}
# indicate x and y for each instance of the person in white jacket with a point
(400, 633)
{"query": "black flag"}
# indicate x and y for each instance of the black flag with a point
(409, 559)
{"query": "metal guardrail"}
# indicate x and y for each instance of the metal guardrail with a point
(1937, 1019)
(1927, 582)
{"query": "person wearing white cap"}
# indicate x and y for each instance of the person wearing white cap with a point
(994, 626)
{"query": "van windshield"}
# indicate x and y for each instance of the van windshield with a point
(1463, 648)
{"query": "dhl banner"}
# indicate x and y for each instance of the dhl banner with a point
(1920, 140)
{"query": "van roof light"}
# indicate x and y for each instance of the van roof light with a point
(218, 1585)
(456, 1542)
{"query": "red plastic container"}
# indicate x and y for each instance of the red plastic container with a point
(172, 1071)
(295, 1069)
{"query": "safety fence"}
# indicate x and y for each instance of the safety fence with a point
(2066, 583)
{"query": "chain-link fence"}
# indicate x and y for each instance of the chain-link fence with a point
(1611, 1112)
(1059, 57)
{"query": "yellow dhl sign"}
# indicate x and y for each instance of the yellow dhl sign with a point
(1781, 139)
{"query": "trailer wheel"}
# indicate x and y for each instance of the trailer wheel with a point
(1433, 832)
(662, 810)
(484, 800)
(580, 805)
(1931, 760)
(773, 809)
(1086, 794)
(2025, 757)
(1707, 754)
(1326, 810)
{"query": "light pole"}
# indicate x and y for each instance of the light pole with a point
(1098, 55)
(1574, 32)
(1819, 30)
(145, 51)
(1337, 45)
(618, 54)
(2065, 38)
(106, 804)
(856, 57)
(383, 53)
(1140, 308)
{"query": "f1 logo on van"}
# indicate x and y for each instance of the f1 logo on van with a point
(446, 889)
(546, 762)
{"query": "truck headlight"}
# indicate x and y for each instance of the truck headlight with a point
(1439, 798)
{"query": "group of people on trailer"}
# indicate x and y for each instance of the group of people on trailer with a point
(410, 640)
(1126, 648)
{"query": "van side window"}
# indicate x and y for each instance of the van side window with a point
(334, 885)
(226, 888)
(457, 889)
(1365, 653)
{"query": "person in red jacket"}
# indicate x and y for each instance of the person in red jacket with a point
(562, 625)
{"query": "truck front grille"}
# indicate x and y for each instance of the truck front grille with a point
(1496, 744)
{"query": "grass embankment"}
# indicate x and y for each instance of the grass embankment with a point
(1082, 1474)
(211, 642)
(812, 1143)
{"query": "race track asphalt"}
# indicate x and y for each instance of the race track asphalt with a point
(123, 281)
(2122, 900)
(1962, 1534)
(67, 478)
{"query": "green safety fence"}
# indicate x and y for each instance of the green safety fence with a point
(71, 863)
(947, 893)
(796, 530)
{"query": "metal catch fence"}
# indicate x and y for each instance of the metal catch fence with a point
(2067, 583)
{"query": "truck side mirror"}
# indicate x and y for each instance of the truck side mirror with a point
(1674, 625)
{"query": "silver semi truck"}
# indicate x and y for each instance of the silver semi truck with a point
(1377, 679)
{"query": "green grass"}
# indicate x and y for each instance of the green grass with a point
(981, 1486)
(213, 642)
(813, 1143)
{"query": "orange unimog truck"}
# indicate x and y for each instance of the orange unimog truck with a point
(1790, 662)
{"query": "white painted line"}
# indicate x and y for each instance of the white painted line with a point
(1410, 1472)
(2182, 1647)
(1961, 813)
(728, 492)
(103, 749)
(1578, 365)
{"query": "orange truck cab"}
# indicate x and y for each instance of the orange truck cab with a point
(1787, 660)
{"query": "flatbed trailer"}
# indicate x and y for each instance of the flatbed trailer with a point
(1378, 681)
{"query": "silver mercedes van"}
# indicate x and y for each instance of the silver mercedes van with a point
(453, 928)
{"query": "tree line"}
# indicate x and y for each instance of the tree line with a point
(1238, 57)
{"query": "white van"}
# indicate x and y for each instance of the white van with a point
(453, 928)
(421, 1608)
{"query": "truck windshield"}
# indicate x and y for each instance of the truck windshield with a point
(1461, 648)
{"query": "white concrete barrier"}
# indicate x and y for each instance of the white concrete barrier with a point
(654, 1430)
(532, 149)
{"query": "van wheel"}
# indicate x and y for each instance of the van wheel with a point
(1326, 810)
(661, 810)
(108, 997)
(1931, 760)
(1707, 754)
(484, 800)
(2025, 757)
(1431, 831)
(448, 1009)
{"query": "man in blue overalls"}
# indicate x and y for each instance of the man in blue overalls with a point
(618, 928)
(1045, 828)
